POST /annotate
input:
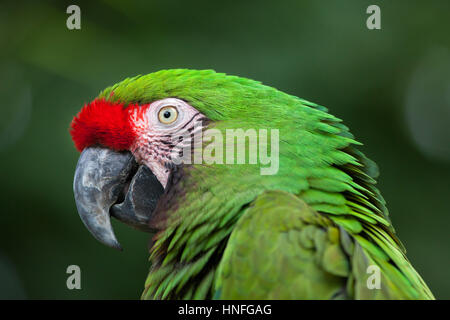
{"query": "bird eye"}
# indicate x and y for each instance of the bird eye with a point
(167, 114)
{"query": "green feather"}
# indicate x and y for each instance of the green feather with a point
(310, 231)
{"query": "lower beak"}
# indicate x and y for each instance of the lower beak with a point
(108, 183)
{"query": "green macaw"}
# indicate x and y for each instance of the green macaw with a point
(317, 228)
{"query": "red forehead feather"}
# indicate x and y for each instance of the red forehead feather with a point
(104, 123)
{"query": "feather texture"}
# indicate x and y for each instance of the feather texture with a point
(309, 231)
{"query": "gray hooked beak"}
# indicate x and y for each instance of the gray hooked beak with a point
(108, 183)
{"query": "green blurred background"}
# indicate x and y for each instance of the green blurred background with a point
(391, 86)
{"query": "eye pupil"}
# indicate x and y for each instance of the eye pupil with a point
(168, 114)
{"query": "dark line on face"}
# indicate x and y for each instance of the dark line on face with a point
(189, 121)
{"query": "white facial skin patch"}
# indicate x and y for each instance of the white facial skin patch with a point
(157, 133)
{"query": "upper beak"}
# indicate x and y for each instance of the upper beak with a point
(108, 183)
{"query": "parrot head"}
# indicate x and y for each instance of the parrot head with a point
(131, 135)
(126, 159)
(127, 138)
